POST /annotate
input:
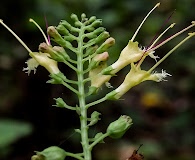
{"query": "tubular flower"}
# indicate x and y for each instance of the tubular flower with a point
(38, 58)
(42, 59)
(137, 75)
(132, 53)
(134, 56)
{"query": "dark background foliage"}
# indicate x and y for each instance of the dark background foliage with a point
(162, 112)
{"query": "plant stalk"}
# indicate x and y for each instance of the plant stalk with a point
(81, 97)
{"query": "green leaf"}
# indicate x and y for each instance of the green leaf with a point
(12, 130)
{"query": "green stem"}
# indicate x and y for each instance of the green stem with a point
(96, 102)
(77, 156)
(81, 97)
(70, 87)
(70, 65)
(98, 140)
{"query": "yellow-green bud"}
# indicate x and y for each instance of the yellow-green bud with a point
(96, 23)
(94, 118)
(95, 32)
(56, 78)
(91, 50)
(97, 78)
(107, 44)
(57, 53)
(74, 17)
(51, 153)
(92, 19)
(60, 102)
(102, 37)
(62, 30)
(96, 61)
(118, 128)
(56, 36)
(66, 24)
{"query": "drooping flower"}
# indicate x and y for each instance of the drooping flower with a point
(132, 53)
(38, 58)
(44, 60)
(136, 75)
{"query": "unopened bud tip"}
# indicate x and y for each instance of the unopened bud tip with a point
(158, 4)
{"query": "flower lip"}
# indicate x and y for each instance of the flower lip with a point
(161, 76)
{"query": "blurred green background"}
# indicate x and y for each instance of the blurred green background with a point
(163, 113)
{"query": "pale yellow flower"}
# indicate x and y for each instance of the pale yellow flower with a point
(38, 58)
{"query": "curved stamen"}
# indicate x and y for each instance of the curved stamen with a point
(152, 45)
(173, 36)
(45, 37)
(171, 51)
(146, 51)
(18, 38)
(136, 32)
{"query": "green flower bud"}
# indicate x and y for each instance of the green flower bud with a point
(95, 33)
(94, 118)
(89, 28)
(76, 20)
(92, 19)
(78, 24)
(99, 30)
(56, 36)
(90, 50)
(61, 52)
(66, 24)
(96, 137)
(97, 79)
(60, 102)
(70, 38)
(83, 16)
(62, 30)
(96, 23)
(56, 78)
(51, 153)
(74, 17)
(102, 37)
(118, 128)
(98, 59)
(57, 53)
(107, 44)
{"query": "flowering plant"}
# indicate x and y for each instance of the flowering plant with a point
(90, 66)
